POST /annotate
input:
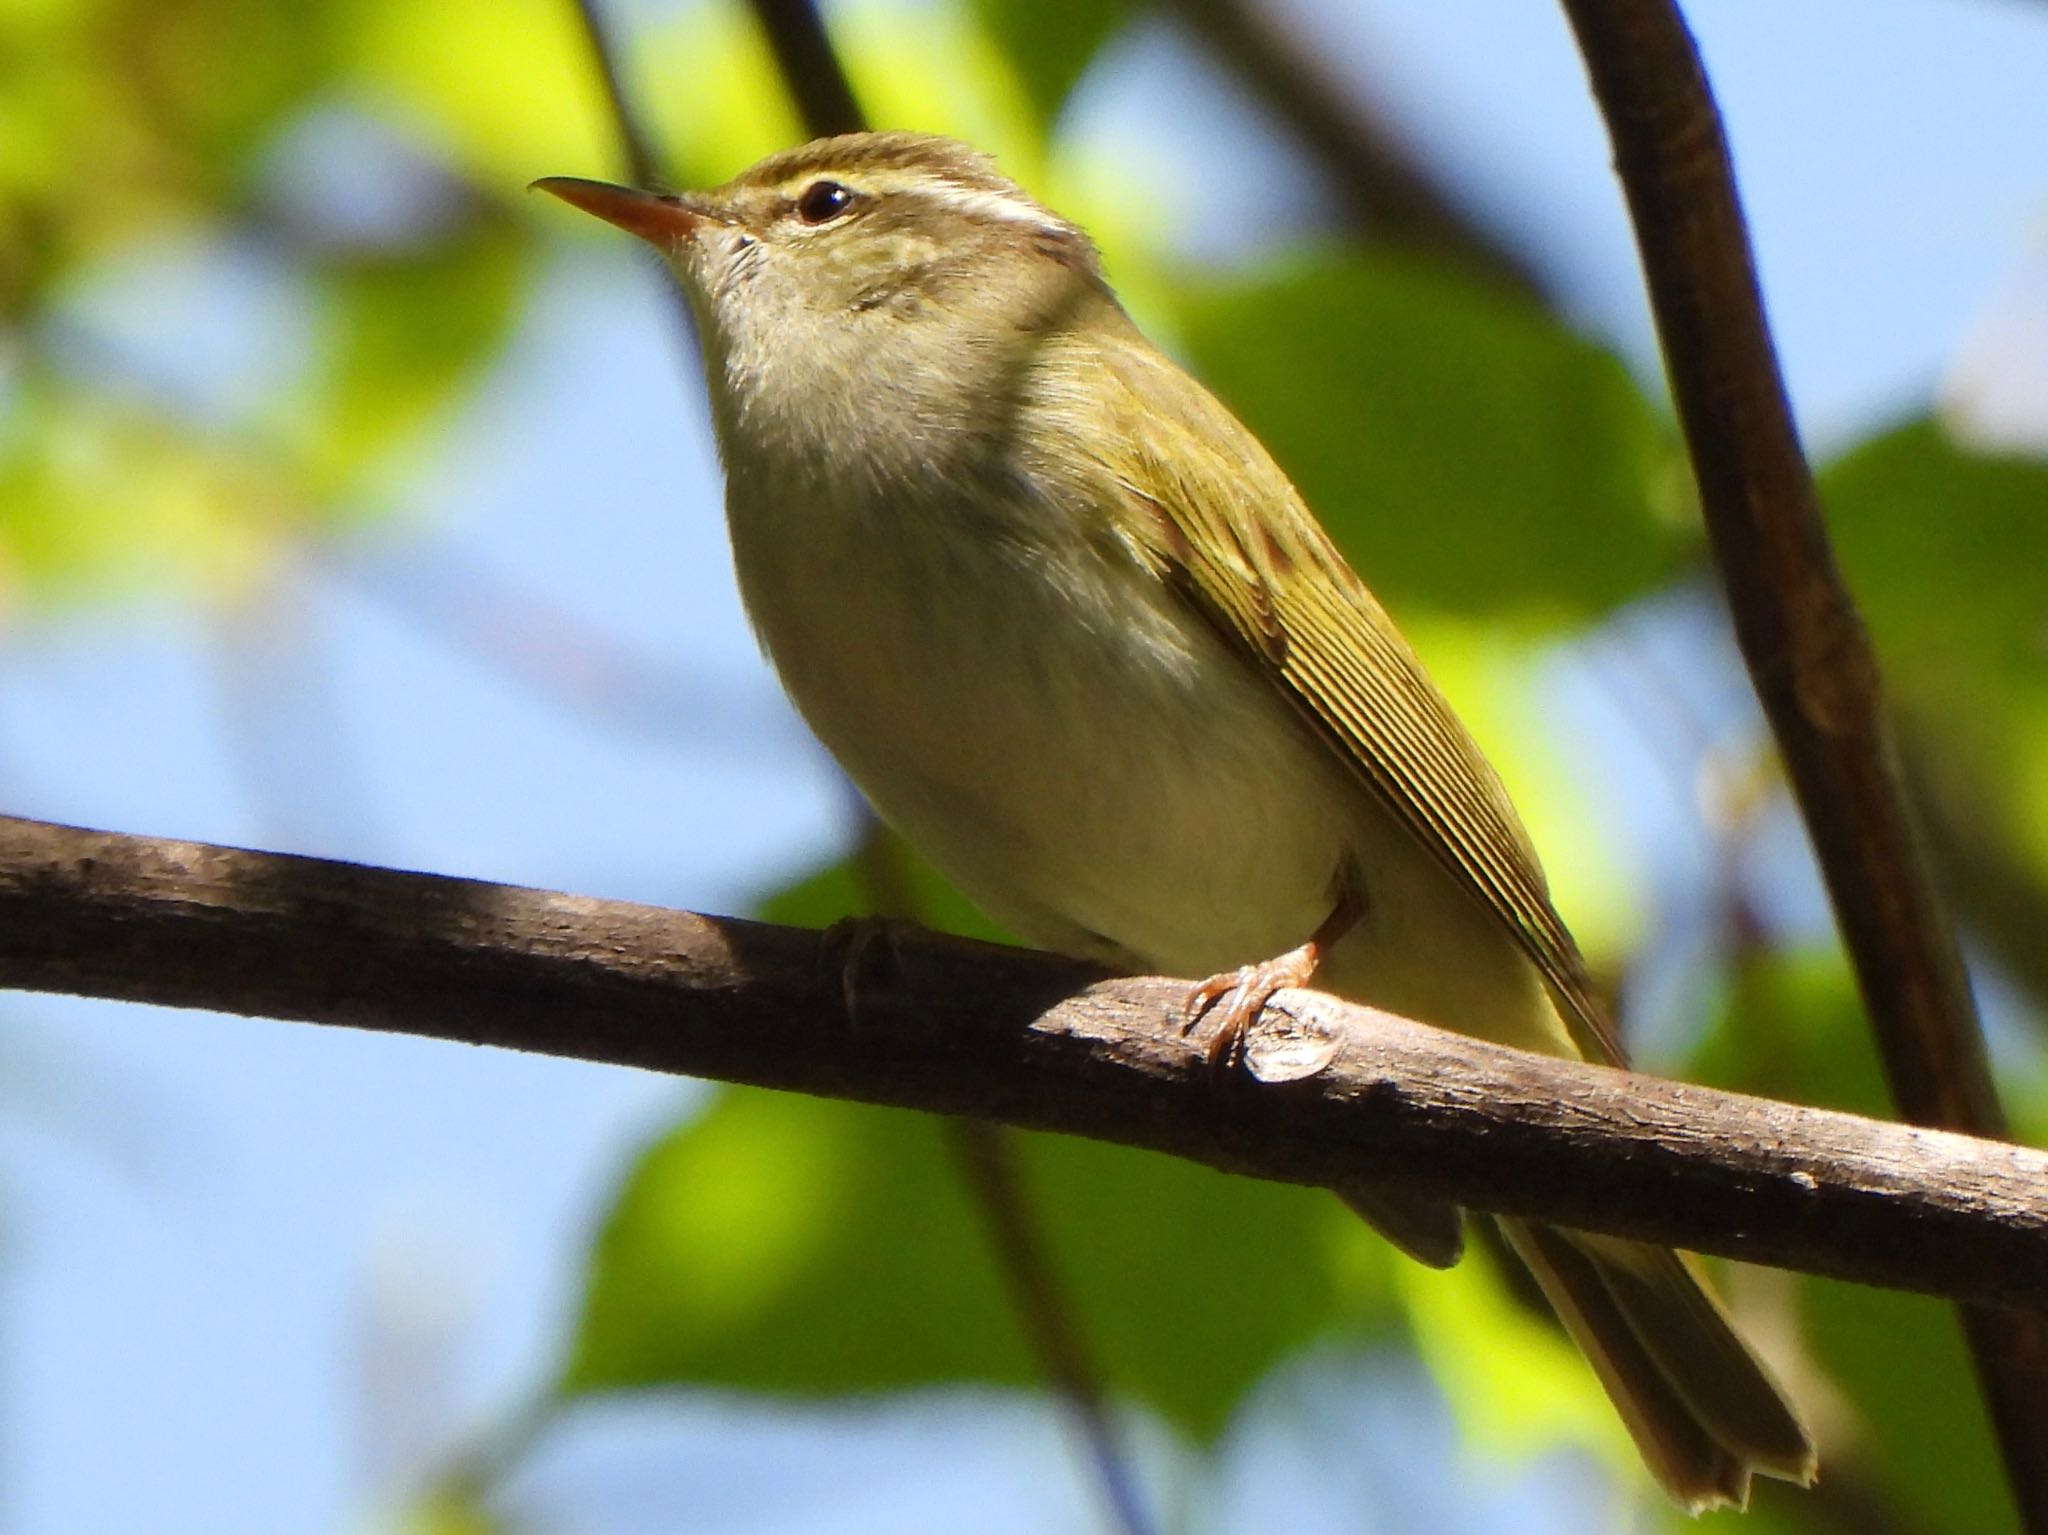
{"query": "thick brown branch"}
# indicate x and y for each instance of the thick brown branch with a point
(1799, 630)
(1796, 622)
(1022, 1039)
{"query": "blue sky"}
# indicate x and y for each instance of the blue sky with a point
(213, 1220)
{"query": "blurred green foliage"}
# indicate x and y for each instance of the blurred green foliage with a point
(1469, 451)
(783, 1244)
(1480, 460)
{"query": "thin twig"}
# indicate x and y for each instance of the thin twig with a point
(986, 1156)
(1386, 186)
(635, 142)
(1028, 1040)
(817, 81)
(1800, 633)
(643, 165)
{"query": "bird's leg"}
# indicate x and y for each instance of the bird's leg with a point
(858, 943)
(1244, 992)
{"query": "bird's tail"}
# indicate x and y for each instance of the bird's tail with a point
(1701, 1407)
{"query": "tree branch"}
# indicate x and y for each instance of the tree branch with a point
(1023, 1039)
(636, 144)
(986, 1157)
(1389, 189)
(1799, 630)
(818, 84)
(810, 66)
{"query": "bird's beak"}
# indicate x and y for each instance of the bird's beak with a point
(666, 223)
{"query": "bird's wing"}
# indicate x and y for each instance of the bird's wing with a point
(1262, 570)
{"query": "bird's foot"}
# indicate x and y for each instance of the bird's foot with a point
(866, 948)
(1239, 996)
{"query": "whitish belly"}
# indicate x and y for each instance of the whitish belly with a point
(1075, 749)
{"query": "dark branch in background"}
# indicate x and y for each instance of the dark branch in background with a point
(817, 82)
(810, 67)
(1387, 187)
(643, 166)
(957, 1027)
(982, 1153)
(986, 1156)
(636, 143)
(1800, 633)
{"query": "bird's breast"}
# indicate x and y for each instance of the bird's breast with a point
(1050, 724)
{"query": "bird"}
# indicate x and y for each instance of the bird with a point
(1075, 634)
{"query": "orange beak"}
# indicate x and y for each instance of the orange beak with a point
(664, 222)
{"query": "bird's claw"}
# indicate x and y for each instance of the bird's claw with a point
(1242, 994)
(856, 939)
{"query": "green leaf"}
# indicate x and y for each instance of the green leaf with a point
(736, 108)
(800, 1246)
(505, 89)
(1049, 47)
(1922, 1440)
(931, 68)
(806, 1246)
(123, 120)
(1946, 549)
(1468, 452)
(454, 1509)
(1791, 1026)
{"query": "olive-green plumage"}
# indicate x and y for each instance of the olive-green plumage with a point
(1075, 634)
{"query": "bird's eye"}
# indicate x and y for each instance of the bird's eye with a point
(823, 201)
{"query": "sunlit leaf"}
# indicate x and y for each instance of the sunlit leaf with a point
(220, 75)
(1492, 678)
(1791, 1026)
(931, 69)
(1470, 453)
(506, 89)
(121, 116)
(1946, 549)
(713, 92)
(843, 889)
(452, 1509)
(1923, 1440)
(794, 1245)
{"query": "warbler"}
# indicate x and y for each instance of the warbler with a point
(1074, 633)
